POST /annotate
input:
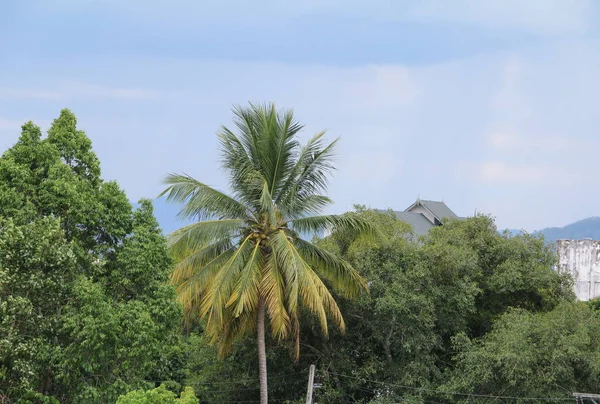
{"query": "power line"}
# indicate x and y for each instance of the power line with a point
(454, 393)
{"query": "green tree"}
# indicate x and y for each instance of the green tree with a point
(544, 355)
(125, 324)
(159, 395)
(245, 255)
(497, 271)
(37, 266)
(400, 339)
(460, 278)
(86, 309)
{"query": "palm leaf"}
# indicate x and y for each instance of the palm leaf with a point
(273, 290)
(192, 282)
(313, 161)
(188, 262)
(349, 224)
(303, 206)
(302, 278)
(245, 177)
(342, 275)
(201, 201)
(201, 234)
(245, 295)
(218, 292)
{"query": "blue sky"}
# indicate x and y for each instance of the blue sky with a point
(488, 105)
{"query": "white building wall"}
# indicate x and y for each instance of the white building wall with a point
(581, 259)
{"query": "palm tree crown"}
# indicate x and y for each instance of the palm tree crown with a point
(244, 254)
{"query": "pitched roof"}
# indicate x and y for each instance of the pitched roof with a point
(418, 221)
(439, 209)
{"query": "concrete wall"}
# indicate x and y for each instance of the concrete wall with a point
(581, 259)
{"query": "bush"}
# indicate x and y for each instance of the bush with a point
(159, 395)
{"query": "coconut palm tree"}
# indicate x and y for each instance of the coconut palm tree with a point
(244, 256)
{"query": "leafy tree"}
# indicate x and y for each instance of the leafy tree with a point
(460, 278)
(544, 355)
(159, 395)
(393, 332)
(37, 266)
(245, 256)
(399, 343)
(125, 331)
(86, 311)
(501, 271)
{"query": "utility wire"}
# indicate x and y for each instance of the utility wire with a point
(454, 393)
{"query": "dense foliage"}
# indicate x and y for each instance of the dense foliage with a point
(431, 303)
(86, 311)
(88, 314)
(159, 395)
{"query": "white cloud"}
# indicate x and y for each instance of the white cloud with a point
(514, 126)
(72, 89)
(540, 16)
(33, 94)
(499, 172)
(90, 90)
(544, 17)
(504, 140)
(513, 142)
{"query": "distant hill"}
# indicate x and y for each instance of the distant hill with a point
(586, 228)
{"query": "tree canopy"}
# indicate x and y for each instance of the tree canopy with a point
(413, 334)
(86, 311)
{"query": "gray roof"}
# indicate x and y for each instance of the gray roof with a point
(439, 209)
(419, 223)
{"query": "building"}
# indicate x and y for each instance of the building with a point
(581, 259)
(423, 215)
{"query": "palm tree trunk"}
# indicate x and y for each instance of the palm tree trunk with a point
(262, 354)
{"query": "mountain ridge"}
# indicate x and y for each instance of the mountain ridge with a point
(581, 229)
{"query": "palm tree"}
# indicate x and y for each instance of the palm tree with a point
(244, 256)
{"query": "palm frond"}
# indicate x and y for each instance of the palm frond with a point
(280, 147)
(306, 154)
(347, 223)
(218, 292)
(232, 328)
(310, 174)
(273, 290)
(266, 203)
(343, 277)
(245, 177)
(329, 303)
(201, 201)
(303, 278)
(201, 234)
(287, 265)
(187, 263)
(193, 282)
(303, 206)
(245, 294)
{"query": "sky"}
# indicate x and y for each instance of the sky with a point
(490, 106)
